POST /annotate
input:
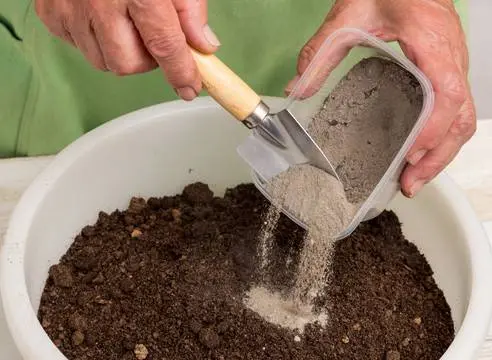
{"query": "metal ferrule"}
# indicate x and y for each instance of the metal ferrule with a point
(257, 116)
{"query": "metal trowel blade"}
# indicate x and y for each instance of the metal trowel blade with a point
(279, 142)
(261, 156)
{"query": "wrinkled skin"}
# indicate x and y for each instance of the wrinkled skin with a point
(430, 34)
(134, 36)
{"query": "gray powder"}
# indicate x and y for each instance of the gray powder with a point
(364, 122)
(272, 306)
(319, 201)
(360, 127)
(270, 223)
(326, 211)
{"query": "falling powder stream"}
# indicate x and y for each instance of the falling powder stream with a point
(266, 235)
(318, 200)
(361, 125)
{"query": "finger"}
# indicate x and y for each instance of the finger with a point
(80, 25)
(330, 53)
(450, 90)
(123, 50)
(55, 22)
(194, 22)
(415, 176)
(331, 24)
(158, 24)
(85, 40)
(327, 59)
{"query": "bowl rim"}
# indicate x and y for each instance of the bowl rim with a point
(31, 339)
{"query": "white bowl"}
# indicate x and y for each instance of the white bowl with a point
(158, 151)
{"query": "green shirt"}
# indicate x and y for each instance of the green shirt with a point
(50, 95)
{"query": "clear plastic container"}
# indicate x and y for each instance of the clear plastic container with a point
(328, 67)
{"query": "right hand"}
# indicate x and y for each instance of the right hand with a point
(135, 36)
(430, 34)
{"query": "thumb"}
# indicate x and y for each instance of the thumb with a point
(311, 48)
(194, 23)
(329, 53)
(328, 57)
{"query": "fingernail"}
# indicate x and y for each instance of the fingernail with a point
(291, 84)
(416, 187)
(416, 157)
(186, 93)
(210, 36)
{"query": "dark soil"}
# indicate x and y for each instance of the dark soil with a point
(165, 280)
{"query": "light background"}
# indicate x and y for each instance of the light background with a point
(480, 45)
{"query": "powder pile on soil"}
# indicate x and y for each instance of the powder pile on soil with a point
(166, 279)
(295, 310)
(360, 127)
(280, 310)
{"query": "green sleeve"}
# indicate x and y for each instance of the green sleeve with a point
(50, 95)
(463, 11)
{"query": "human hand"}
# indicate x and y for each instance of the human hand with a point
(135, 36)
(430, 34)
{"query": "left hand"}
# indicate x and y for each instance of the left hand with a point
(135, 36)
(430, 34)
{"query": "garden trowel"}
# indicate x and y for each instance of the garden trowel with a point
(278, 140)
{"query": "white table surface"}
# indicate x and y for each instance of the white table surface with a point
(472, 170)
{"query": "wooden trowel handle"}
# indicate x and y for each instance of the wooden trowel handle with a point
(232, 93)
